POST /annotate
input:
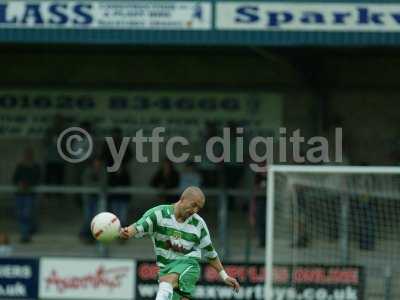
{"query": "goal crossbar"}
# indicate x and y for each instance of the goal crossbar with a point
(334, 169)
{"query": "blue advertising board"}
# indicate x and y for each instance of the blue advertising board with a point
(19, 278)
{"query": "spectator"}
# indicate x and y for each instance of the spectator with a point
(258, 207)
(301, 192)
(167, 177)
(84, 143)
(118, 203)
(5, 246)
(189, 177)
(117, 137)
(209, 170)
(233, 169)
(363, 210)
(335, 184)
(366, 210)
(54, 165)
(93, 176)
(26, 176)
(81, 147)
(301, 211)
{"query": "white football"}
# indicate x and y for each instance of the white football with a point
(105, 227)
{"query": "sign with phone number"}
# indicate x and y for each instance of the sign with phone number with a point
(29, 113)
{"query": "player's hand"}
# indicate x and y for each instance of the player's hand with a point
(233, 283)
(126, 232)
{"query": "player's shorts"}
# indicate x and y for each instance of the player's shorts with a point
(189, 273)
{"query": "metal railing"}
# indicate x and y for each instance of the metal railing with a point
(103, 191)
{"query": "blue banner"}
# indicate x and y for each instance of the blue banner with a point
(19, 278)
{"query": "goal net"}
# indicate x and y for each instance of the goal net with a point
(327, 219)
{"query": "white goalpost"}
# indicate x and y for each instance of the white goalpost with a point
(333, 215)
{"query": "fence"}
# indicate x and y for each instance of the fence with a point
(220, 194)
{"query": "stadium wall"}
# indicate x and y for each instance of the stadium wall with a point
(340, 92)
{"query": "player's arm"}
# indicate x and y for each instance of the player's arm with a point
(211, 255)
(146, 225)
(217, 265)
